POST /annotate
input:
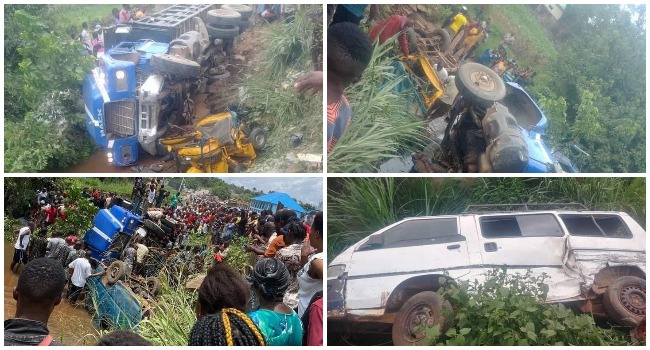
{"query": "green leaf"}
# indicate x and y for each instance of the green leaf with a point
(465, 331)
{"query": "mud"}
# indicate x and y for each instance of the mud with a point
(68, 324)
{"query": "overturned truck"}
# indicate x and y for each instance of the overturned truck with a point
(145, 79)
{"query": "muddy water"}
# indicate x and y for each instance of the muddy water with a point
(71, 325)
(98, 163)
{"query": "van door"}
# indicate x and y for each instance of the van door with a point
(414, 247)
(525, 241)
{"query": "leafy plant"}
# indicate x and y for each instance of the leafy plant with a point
(80, 215)
(509, 309)
(383, 125)
(10, 225)
(238, 257)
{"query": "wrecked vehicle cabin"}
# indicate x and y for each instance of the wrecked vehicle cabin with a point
(595, 262)
(143, 87)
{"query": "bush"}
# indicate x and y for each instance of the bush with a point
(509, 309)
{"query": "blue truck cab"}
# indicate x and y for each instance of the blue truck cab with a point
(110, 98)
(116, 306)
(112, 230)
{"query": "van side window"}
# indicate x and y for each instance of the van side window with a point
(534, 225)
(596, 225)
(415, 233)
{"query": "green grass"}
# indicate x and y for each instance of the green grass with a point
(121, 186)
(383, 125)
(74, 15)
(532, 47)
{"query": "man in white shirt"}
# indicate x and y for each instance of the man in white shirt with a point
(80, 270)
(20, 248)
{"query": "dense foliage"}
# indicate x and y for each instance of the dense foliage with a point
(360, 206)
(508, 309)
(44, 67)
(594, 92)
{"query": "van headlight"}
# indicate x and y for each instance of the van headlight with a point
(335, 271)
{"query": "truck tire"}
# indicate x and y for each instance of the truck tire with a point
(115, 271)
(168, 222)
(624, 300)
(244, 10)
(223, 31)
(222, 17)
(243, 25)
(423, 310)
(257, 138)
(479, 84)
(154, 228)
(175, 66)
(443, 39)
(153, 285)
(192, 40)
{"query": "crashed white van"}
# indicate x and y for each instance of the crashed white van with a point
(595, 260)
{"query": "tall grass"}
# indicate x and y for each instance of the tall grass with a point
(360, 206)
(283, 56)
(172, 317)
(382, 125)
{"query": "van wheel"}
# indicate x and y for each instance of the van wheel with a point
(423, 310)
(115, 272)
(624, 301)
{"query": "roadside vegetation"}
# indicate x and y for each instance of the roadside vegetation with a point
(267, 87)
(44, 68)
(507, 309)
(382, 126)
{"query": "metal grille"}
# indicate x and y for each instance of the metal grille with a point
(120, 118)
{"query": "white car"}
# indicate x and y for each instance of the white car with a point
(595, 262)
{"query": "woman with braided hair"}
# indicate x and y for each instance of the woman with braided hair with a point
(294, 236)
(277, 321)
(220, 320)
(227, 327)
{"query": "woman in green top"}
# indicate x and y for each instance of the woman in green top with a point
(277, 321)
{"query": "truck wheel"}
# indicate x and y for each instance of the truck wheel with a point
(168, 223)
(243, 25)
(223, 31)
(153, 227)
(222, 17)
(245, 11)
(153, 285)
(479, 84)
(175, 66)
(421, 311)
(192, 40)
(257, 137)
(115, 271)
(624, 300)
(441, 39)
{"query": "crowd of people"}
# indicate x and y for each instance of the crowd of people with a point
(286, 277)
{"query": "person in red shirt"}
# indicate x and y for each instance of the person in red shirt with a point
(50, 215)
(392, 26)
